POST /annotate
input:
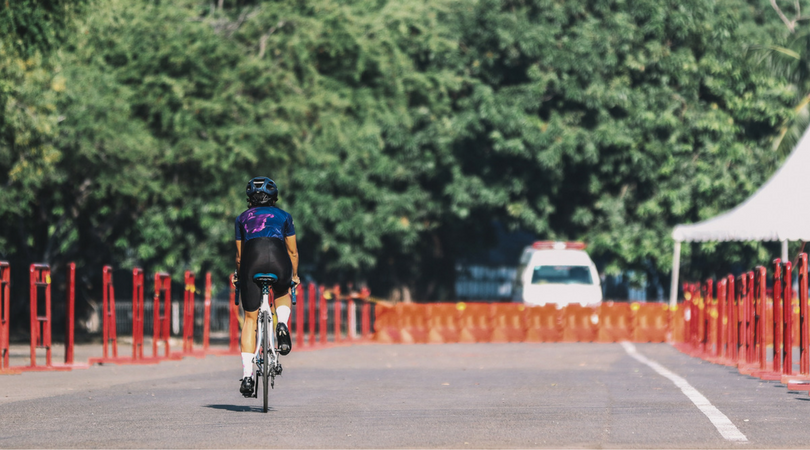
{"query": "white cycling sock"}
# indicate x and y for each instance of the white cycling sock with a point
(247, 365)
(283, 313)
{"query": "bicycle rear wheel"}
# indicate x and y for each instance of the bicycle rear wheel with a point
(266, 356)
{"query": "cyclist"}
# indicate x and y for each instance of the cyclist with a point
(265, 242)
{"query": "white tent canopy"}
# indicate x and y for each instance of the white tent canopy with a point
(772, 213)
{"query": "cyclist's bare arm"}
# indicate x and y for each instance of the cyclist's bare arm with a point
(239, 255)
(292, 250)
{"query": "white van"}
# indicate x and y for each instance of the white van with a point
(558, 273)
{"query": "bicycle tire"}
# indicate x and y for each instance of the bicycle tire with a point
(266, 355)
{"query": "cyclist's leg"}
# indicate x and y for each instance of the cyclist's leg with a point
(251, 300)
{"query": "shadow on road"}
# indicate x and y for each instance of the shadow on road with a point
(239, 408)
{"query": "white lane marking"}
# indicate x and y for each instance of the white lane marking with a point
(717, 418)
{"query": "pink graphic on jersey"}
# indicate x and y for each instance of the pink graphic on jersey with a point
(255, 224)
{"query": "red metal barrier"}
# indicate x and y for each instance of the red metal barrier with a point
(804, 327)
(137, 313)
(761, 309)
(233, 320)
(733, 311)
(707, 322)
(70, 313)
(750, 351)
(787, 309)
(777, 316)
(109, 332)
(337, 313)
(324, 316)
(719, 346)
(188, 312)
(40, 276)
(207, 312)
(161, 322)
(299, 317)
(312, 307)
(5, 293)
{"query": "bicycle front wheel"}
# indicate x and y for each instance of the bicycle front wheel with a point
(266, 357)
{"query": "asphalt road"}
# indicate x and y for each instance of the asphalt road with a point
(376, 396)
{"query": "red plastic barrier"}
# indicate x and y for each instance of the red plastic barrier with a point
(508, 323)
(161, 322)
(40, 276)
(677, 324)
(580, 323)
(188, 312)
(544, 324)
(386, 327)
(109, 332)
(413, 322)
(137, 313)
(651, 322)
(616, 322)
(474, 322)
(5, 282)
(442, 322)
(207, 312)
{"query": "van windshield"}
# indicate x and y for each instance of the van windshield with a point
(562, 275)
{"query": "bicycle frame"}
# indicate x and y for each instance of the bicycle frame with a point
(265, 308)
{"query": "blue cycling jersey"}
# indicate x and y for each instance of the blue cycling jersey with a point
(264, 221)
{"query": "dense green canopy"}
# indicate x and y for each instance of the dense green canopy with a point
(398, 131)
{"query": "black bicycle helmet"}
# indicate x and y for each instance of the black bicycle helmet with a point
(261, 191)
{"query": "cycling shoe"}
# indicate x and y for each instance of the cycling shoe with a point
(284, 342)
(247, 387)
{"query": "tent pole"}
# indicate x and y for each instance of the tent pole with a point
(785, 250)
(676, 266)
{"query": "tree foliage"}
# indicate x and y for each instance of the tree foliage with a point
(398, 131)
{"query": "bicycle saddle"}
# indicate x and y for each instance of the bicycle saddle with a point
(265, 278)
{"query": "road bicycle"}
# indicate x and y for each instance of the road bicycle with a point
(266, 357)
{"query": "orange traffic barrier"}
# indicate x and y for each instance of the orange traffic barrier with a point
(615, 322)
(413, 323)
(677, 324)
(508, 323)
(443, 323)
(580, 323)
(474, 322)
(386, 325)
(651, 322)
(544, 324)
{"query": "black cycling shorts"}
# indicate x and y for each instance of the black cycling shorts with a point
(263, 255)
